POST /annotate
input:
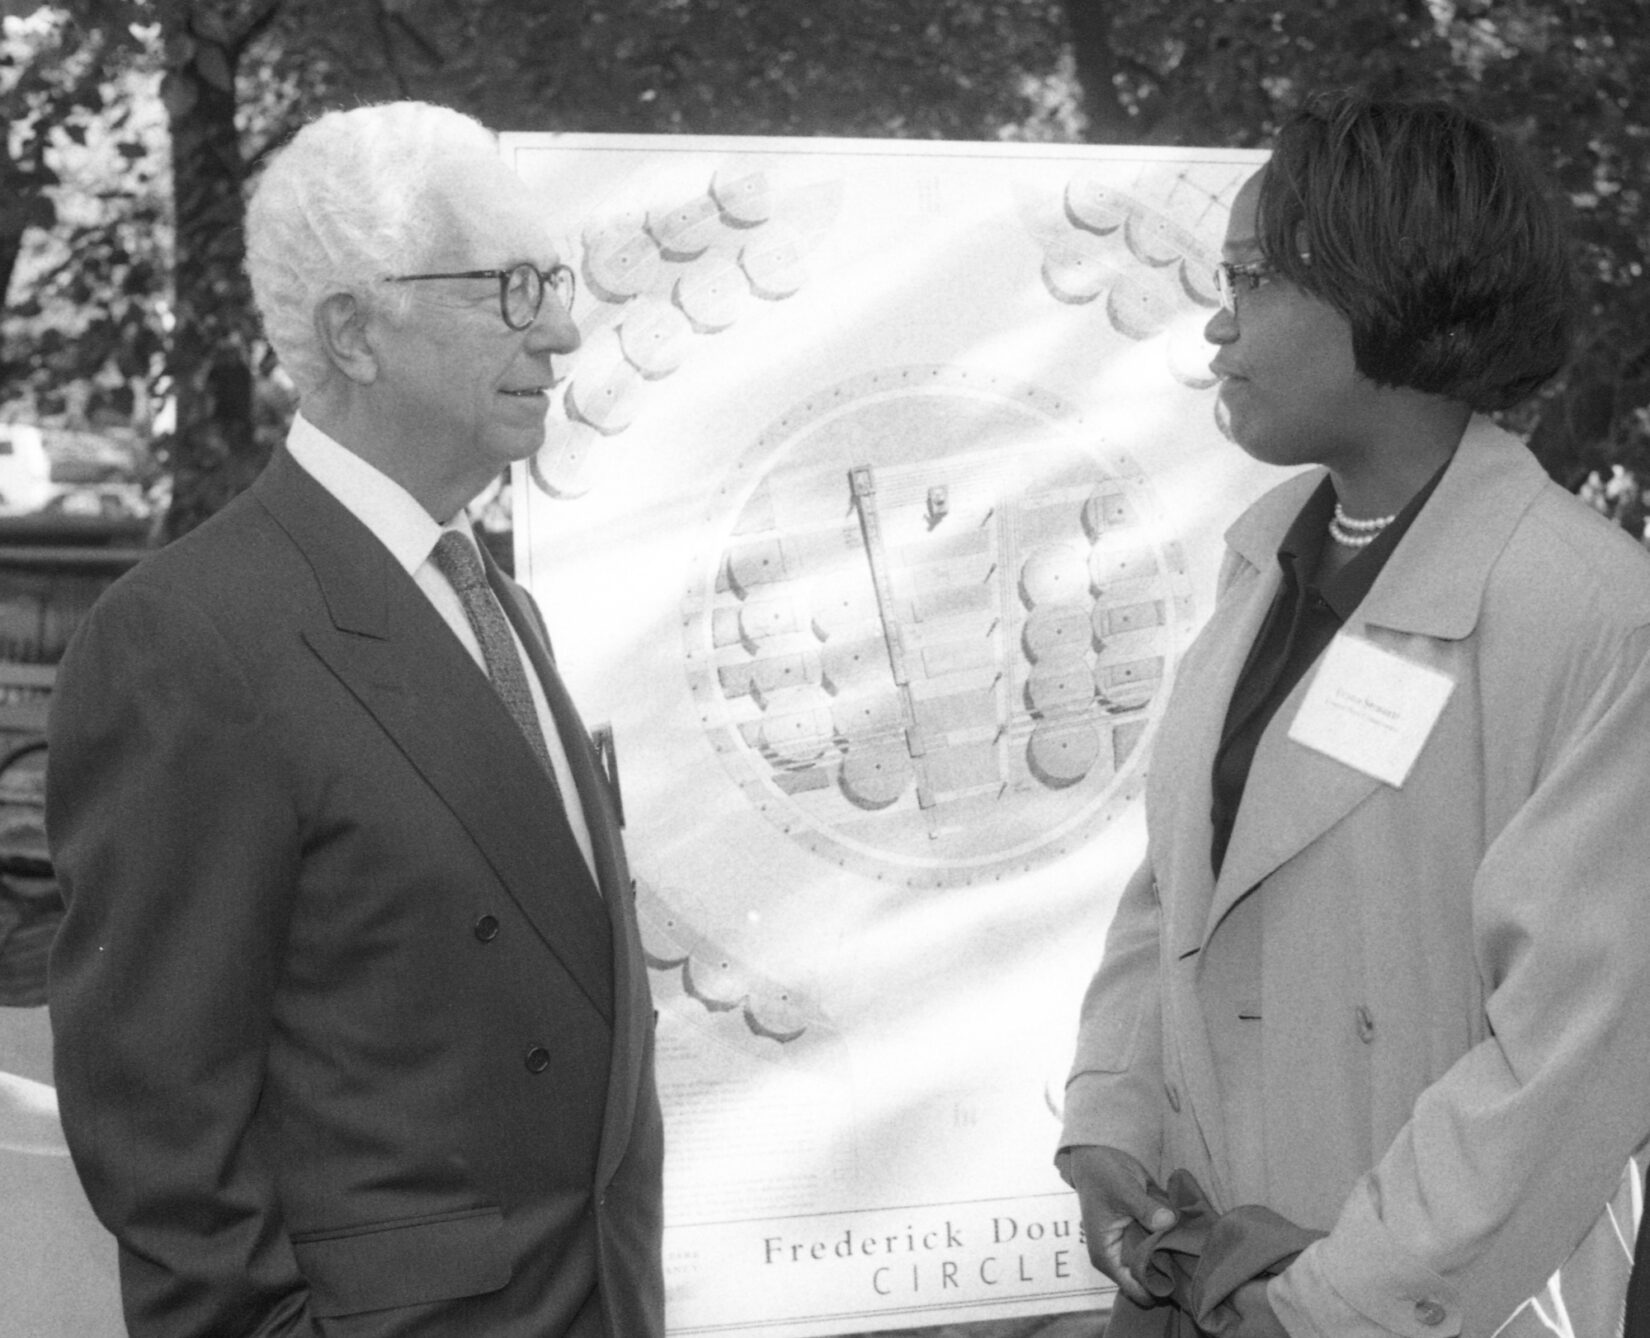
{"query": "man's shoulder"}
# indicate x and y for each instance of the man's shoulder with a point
(237, 558)
(221, 537)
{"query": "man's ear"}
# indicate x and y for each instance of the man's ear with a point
(341, 326)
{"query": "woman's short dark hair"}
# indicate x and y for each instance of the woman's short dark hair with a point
(1431, 233)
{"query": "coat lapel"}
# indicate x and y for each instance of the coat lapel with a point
(1181, 789)
(1432, 586)
(393, 652)
(1293, 796)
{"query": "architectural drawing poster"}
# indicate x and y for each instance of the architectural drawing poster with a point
(877, 509)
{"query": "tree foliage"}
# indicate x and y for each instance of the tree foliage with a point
(87, 316)
(236, 75)
(143, 297)
(1569, 78)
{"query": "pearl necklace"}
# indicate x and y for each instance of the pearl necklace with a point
(1352, 533)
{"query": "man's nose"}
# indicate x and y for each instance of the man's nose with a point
(553, 330)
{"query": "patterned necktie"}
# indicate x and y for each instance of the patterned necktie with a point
(456, 558)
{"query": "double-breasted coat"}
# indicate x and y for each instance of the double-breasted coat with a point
(1416, 1016)
(348, 1041)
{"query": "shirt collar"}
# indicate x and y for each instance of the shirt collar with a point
(1302, 546)
(388, 510)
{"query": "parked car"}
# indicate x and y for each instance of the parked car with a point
(25, 469)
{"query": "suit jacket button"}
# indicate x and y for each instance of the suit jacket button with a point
(537, 1059)
(486, 928)
(1429, 1313)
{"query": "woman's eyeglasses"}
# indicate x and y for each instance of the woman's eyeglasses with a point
(1232, 277)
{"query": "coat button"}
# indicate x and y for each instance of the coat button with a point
(537, 1059)
(1429, 1313)
(486, 928)
(1366, 1024)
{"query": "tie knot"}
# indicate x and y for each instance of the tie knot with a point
(456, 558)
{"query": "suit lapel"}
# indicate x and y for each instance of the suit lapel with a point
(393, 652)
(630, 985)
(599, 809)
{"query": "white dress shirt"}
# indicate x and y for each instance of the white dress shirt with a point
(410, 533)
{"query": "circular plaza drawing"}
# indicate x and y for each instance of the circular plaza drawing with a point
(940, 625)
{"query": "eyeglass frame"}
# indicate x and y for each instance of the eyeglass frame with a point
(1228, 271)
(558, 279)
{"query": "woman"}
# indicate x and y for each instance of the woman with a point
(1384, 970)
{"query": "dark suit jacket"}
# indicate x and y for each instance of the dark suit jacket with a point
(347, 1042)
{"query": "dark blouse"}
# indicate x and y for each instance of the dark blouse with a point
(1302, 621)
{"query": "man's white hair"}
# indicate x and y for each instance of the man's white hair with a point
(349, 201)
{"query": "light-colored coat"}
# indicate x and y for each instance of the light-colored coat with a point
(1417, 1017)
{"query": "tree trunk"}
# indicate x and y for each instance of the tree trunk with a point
(24, 204)
(1089, 23)
(214, 452)
(11, 246)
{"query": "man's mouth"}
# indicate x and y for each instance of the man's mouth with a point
(527, 393)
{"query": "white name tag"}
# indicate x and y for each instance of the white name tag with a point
(1370, 709)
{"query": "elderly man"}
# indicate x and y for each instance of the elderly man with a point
(352, 1026)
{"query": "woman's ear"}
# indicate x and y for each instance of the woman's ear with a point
(341, 326)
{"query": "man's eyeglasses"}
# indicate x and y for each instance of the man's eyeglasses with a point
(1231, 278)
(521, 288)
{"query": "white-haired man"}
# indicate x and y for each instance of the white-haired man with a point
(351, 1022)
